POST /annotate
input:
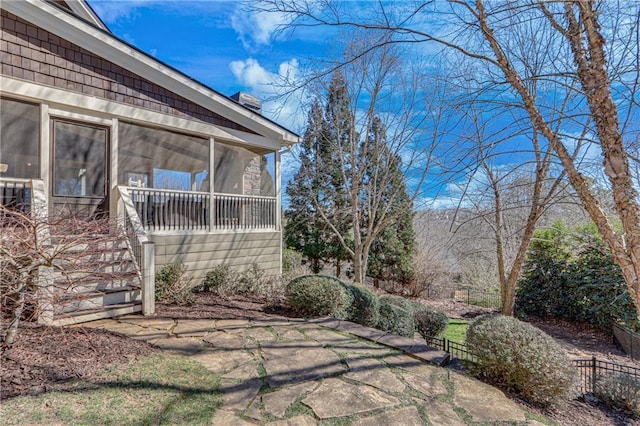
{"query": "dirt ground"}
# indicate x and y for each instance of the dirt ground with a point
(49, 358)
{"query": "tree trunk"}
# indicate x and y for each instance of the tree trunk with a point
(591, 62)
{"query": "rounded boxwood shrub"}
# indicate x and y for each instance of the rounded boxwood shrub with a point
(396, 319)
(365, 309)
(399, 301)
(319, 295)
(429, 322)
(522, 358)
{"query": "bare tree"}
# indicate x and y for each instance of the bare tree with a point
(44, 258)
(387, 111)
(588, 48)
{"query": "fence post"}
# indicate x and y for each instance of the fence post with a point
(468, 296)
(446, 345)
(593, 372)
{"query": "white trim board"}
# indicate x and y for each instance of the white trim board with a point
(76, 103)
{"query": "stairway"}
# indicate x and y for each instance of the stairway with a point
(93, 277)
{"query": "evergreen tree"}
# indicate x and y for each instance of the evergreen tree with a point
(316, 192)
(391, 253)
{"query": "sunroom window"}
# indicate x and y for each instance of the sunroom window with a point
(161, 159)
(19, 139)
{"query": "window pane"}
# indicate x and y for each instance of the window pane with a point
(79, 160)
(19, 139)
(244, 171)
(170, 160)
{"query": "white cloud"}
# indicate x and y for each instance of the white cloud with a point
(280, 102)
(111, 11)
(256, 28)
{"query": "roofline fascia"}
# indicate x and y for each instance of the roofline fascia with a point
(104, 44)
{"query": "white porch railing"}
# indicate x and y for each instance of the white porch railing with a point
(143, 251)
(171, 210)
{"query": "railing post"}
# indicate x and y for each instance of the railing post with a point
(148, 278)
(593, 374)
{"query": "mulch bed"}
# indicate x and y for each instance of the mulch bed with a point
(48, 358)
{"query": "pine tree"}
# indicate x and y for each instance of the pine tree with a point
(316, 192)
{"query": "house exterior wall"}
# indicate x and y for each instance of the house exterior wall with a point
(33, 54)
(202, 252)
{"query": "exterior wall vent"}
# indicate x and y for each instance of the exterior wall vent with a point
(248, 101)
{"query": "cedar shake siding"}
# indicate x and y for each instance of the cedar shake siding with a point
(30, 53)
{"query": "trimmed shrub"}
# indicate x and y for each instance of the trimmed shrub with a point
(319, 295)
(618, 390)
(523, 359)
(291, 262)
(399, 301)
(172, 287)
(429, 322)
(365, 309)
(219, 280)
(396, 319)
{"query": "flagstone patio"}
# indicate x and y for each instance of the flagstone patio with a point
(284, 371)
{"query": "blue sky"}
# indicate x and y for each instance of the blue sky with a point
(221, 45)
(218, 44)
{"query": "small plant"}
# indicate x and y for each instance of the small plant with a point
(172, 287)
(365, 309)
(396, 317)
(429, 322)
(618, 390)
(522, 358)
(251, 281)
(318, 295)
(219, 280)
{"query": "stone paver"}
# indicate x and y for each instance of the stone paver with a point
(232, 324)
(222, 340)
(441, 413)
(326, 337)
(303, 420)
(484, 403)
(157, 323)
(239, 395)
(373, 373)
(259, 334)
(194, 328)
(244, 372)
(287, 333)
(221, 361)
(407, 416)
(301, 363)
(336, 398)
(429, 383)
(228, 418)
(276, 403)
(182, 346)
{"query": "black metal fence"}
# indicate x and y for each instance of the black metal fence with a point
(455, 349)
(592, 371)
(485, 299)
(628, 339)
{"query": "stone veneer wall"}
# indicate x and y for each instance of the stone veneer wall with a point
(31, 53)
